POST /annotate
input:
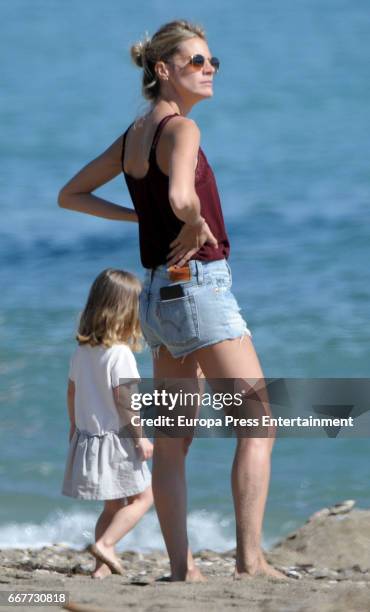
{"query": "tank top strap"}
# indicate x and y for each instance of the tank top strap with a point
(123, 144)
(159, 128)
(156, 136)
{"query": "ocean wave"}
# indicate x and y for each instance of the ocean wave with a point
(75, 529)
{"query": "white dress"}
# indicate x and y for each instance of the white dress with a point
(101, 463)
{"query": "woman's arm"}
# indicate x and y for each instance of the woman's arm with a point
(183, 138)
(183, 144)
(76, 194)
(71, 407)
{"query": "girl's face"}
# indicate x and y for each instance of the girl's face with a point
(191, 82)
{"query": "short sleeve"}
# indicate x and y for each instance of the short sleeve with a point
(71, 373)
(124, 367)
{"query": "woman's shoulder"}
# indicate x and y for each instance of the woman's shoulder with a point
(172, 129)
(182, 127)
(181, 134)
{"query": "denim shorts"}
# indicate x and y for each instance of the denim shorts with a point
(207, 313)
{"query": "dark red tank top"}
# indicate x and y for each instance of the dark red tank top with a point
(158, 224)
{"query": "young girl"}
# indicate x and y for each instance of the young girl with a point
(106, 460)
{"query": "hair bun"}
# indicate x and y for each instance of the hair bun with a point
(138, 51)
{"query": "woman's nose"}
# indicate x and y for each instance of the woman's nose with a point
(209, 69)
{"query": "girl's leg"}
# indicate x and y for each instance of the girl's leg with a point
(122, 519)
(237, 359)
(169, 484)
(101, 569)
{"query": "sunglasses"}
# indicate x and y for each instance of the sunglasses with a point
(198, 60)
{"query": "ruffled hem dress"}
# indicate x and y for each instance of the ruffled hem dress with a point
(102, 461)
(103, 467)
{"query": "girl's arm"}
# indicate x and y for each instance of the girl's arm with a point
(122, 398)
(71, 407)
(77, 193)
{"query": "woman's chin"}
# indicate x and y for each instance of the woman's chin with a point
(206, 93)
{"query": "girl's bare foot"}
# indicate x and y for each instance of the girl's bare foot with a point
(106, 556)
(101, 571)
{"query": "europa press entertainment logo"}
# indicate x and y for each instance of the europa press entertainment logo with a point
(255, 407)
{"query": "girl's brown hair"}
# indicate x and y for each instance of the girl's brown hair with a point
(162, 46)
(111, 312)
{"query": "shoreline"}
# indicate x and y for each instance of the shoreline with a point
(327, 561)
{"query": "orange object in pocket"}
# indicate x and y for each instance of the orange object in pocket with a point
(179, 274)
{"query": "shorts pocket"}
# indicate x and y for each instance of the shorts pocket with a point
(178, 320)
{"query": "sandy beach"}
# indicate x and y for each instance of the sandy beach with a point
(327, 561)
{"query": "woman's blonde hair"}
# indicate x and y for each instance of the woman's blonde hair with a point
(162, 46)
(111, 313)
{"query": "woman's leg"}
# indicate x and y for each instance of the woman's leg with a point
(237, 359)
(119, 519)
(169, 483)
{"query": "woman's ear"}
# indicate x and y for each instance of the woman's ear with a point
(161, 71)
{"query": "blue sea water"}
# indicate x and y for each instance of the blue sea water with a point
(287, 135)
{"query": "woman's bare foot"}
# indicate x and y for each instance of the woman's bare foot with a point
(267, 570)
(259, 568)
(192, 575)
(195, 575)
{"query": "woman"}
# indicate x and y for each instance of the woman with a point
(188, 314)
